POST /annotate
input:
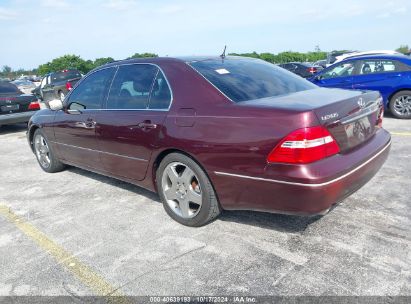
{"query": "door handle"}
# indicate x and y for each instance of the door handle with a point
(145, 125)
(89, 124)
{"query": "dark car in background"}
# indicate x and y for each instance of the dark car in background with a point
(388, 74)
(216, 133)
(57, 84)
(303, 69)
(15, 107)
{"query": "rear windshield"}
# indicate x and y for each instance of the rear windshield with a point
(7, 87)
(65, 75)
(247, 79)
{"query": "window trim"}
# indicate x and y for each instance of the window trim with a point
(151, 89)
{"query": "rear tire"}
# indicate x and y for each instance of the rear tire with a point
(44, 153)
(62, 96)
(400, 105)
(186, 192)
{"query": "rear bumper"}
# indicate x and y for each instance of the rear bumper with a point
(306, 189)
(7, 119)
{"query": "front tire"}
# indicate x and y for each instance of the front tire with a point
(186, 192)
(44, 153)
(400, 104)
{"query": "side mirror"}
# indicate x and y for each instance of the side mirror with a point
(55, 104)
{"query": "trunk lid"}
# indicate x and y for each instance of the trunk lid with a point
(352, 121)
(350, 116)
(12, 103)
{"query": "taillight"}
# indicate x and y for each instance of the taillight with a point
(34, 105)
(312, 70)
(304, 146)
(69, 87)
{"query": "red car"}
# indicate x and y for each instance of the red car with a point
(216, 133)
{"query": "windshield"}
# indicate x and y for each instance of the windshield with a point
(65, 75)
(7, 87)
(243, 79)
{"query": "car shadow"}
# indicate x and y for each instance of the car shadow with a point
(8, 129)
(278, 222)
(115, 182)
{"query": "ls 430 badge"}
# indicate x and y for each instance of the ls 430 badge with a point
(329, 116)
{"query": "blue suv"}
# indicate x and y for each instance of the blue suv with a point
(389, 74)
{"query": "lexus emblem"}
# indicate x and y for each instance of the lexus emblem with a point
(361, 103)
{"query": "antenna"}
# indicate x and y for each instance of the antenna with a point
(223, 54)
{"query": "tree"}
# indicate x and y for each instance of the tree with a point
(6, 69)
(65, 62)
(143, 55)
(284, 57)
(102, 61)
(404, 49)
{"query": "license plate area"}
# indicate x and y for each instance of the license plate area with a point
(10, 108)
(359, 131)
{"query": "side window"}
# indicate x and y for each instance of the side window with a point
(340, 70)
(378, 66)
(132, 86)
(161, 94)
(90, 92)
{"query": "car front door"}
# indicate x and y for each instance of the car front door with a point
(74, 126)
(378, 75)
(130, 126)
(337, 76)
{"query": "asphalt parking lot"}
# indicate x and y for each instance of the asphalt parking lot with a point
(78, 233)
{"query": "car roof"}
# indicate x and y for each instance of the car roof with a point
(182, 59)
(186, 59)
(380, 56)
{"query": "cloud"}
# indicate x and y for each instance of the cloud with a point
(54, 3)
(170, 9)
(390, 13)
(120, 5)
(401, 10)
(7, 14)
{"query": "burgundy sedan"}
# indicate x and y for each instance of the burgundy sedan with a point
(210, 134)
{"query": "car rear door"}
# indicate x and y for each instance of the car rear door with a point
(74, 126)
(337, 76)
(128, 129)
(378, 75)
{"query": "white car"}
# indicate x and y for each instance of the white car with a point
(334, 59)
(24, 85)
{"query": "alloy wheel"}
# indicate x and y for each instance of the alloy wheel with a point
(42, 151)
(181, 189)
(402, 105)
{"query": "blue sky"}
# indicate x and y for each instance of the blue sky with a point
(36, 31)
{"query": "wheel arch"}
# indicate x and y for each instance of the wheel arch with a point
(31, 131)
(166, 152)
